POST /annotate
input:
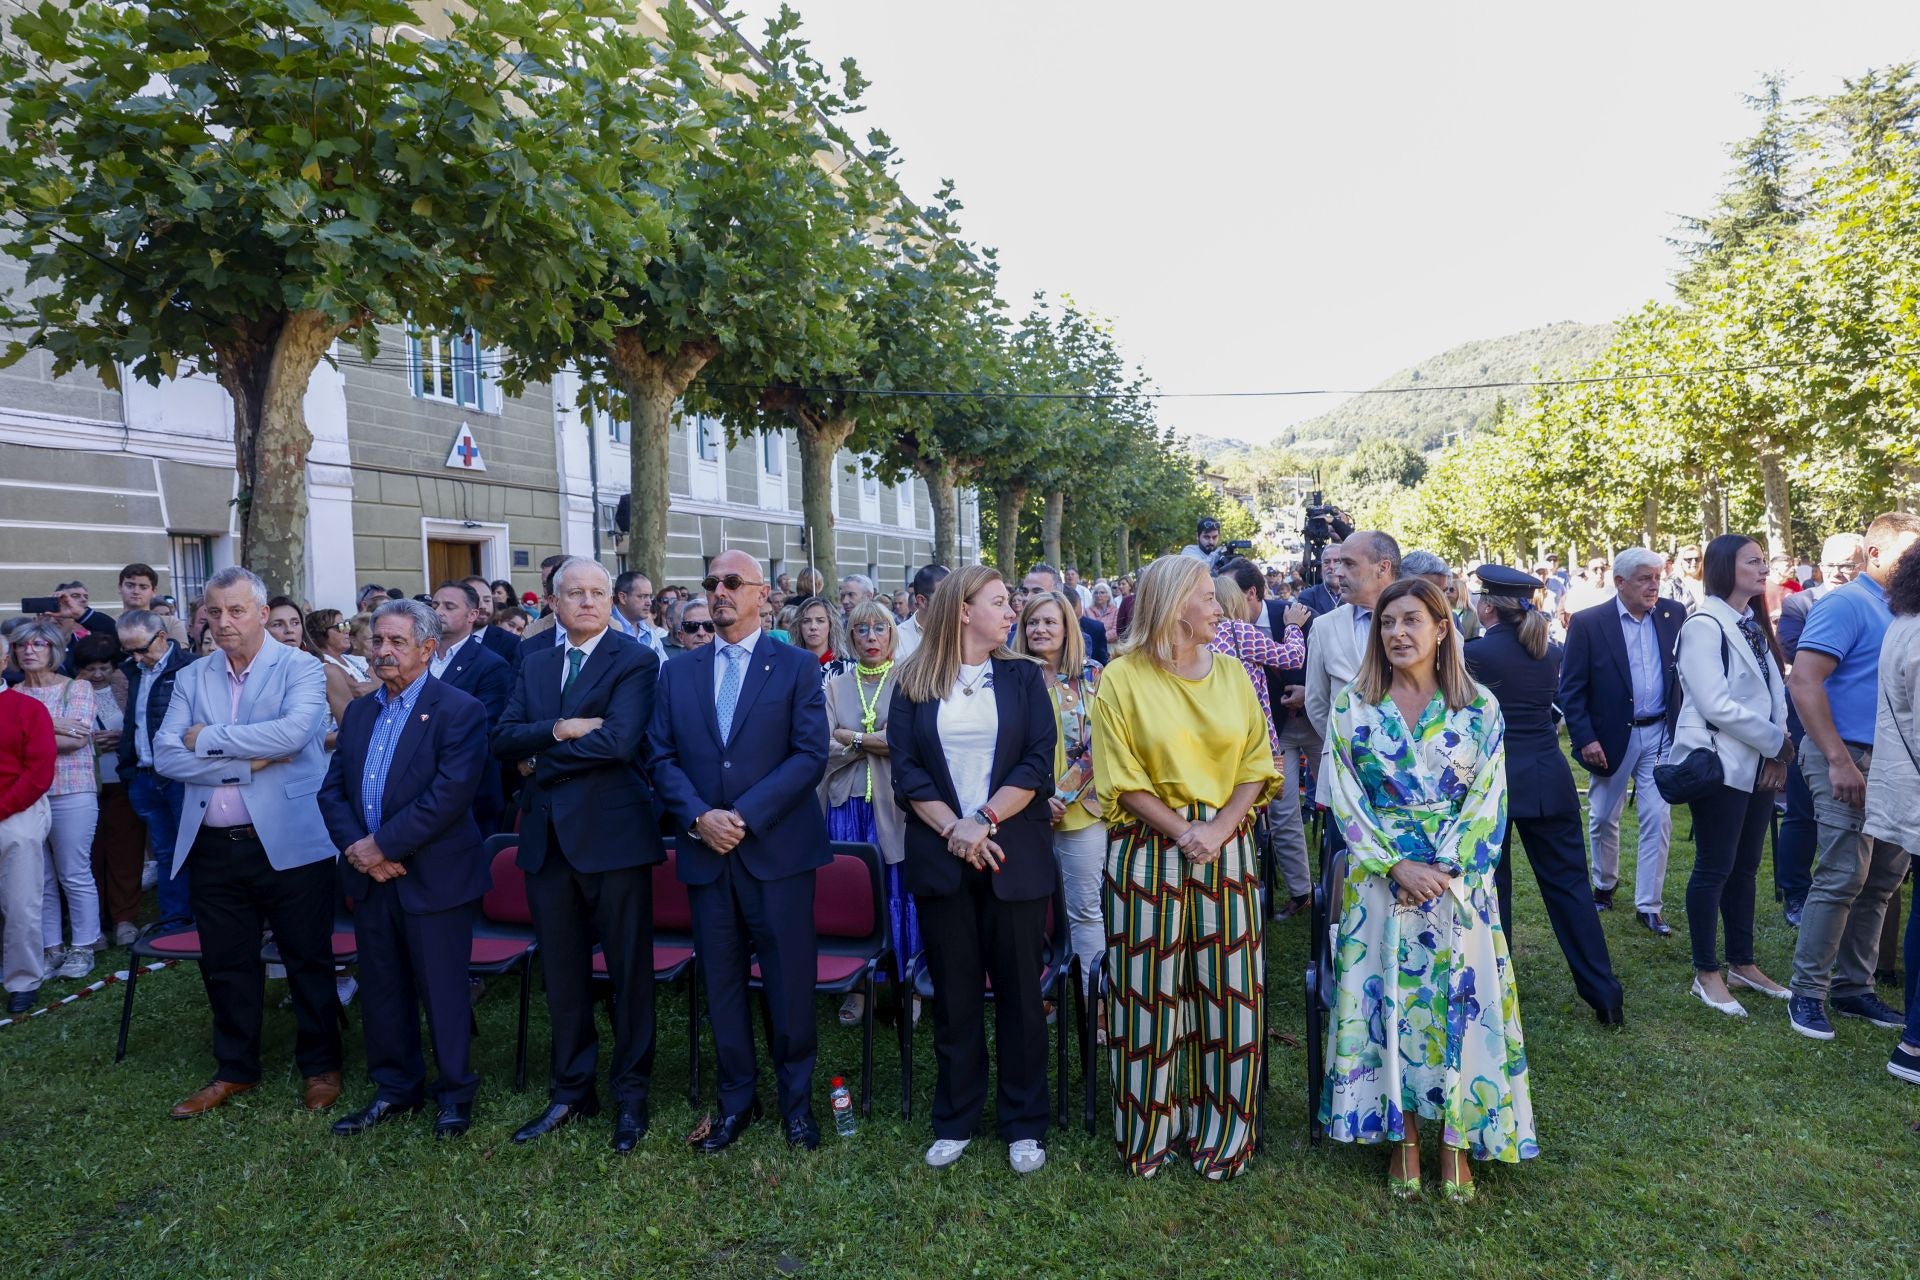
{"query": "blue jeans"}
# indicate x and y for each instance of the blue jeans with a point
(159, 801)
(1796, 840)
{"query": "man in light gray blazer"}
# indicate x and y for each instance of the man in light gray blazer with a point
(245, 732)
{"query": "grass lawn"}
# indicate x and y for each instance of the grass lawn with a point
(1687, 1144)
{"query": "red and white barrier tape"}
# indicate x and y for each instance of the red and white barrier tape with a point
(84, 992)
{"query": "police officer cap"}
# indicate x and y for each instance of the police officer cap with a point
(1499, 580)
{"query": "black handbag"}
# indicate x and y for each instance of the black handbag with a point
(1700, 774)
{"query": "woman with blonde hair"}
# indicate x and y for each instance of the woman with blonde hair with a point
(1050, 633)
(858, 787)
(1426, 1021)
(816, 628)
(1185, 760)
(971, 731)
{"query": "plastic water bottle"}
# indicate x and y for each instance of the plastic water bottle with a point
(843, 1121)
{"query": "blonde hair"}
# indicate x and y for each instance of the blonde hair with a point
(1163, 589)
(836, 635)
(928, 675)
(1073, 644)
(1376, 673)
(872, 611)
(1233, 600)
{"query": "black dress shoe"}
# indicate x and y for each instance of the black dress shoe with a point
(21, 1001)
(556, 1115)
(1614, 1017)
(1655, 925)
(379, 1111)
(803, 1130)
(727, 1130)
(452, 1119)
(1603, 899)
(629, 1126)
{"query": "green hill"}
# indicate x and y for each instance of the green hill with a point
(1425, 419)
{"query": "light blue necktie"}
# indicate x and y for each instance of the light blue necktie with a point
(729, 690)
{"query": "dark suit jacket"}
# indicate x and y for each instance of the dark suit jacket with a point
(426, 806)
(156, 687)
(774, 757)
(477, 670)
(503, 644)
(1022, 757)
(1539, 783)
(1319, 599)
(1596, 682)
(1095, 634)
(593, 790)
(536, 642)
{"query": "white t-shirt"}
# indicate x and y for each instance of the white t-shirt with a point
(969, 727)
(906, 639)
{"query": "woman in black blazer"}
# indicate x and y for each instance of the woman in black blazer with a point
(971, 731)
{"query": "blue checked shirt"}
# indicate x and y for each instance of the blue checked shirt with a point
(392, 722)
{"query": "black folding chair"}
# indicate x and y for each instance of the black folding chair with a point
(1319, 983)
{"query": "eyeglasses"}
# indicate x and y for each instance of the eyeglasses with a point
(34, 643)
(691, 627)
(731, 581)
(872, 629)
(343, 627)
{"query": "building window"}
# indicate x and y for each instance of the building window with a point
(706, 438)
(192, 565)
(451, 368)
(773, 453)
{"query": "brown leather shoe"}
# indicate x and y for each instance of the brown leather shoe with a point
(323, 1090)
(217, 1093)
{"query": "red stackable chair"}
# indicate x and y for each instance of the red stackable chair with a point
(503, 937)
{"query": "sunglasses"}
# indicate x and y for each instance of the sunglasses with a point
(343, 627)
(731, 581)
(696, 626)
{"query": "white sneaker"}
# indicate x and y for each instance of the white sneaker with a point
(149, 874)
(78, 964)
(347, 988)
(1025, 1155)
(945, 1151)
(125, 933)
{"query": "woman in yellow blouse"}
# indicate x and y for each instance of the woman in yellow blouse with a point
(1184, 764)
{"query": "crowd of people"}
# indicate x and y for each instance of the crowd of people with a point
(1145, 752)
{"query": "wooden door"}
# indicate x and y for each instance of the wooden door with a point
(450, 561)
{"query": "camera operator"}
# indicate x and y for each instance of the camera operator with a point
(1206, 541)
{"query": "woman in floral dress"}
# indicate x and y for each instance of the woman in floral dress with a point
(1426, 1022)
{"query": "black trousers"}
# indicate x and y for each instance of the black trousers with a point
(739, 920)
(410, 962)
(570, 910)
(971, 936)
(1729, 836)
(1557, 850)
(236, 894)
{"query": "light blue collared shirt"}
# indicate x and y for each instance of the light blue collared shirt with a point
(1643, 662)
(387, 728)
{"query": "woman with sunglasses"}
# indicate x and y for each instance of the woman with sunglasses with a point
(817, 628)
(328, 637)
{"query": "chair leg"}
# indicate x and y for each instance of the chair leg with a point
(126, 1008)
(866, 1048)
(1060, 1058)
(906, 1046)
(693, 1036)
(520, 1037)
(1089, 1069)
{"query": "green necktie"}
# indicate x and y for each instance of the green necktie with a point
(575, 659)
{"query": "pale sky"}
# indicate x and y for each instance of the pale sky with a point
(1282, 195)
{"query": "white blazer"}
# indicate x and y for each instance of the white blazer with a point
(1746, 705)
(1334, 653)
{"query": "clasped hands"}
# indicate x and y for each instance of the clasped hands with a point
(721, 830)
(365, 855)
(969, 840)
(1418, 884)
(1202, 841)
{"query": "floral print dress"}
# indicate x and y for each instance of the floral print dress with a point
(1426, 1018)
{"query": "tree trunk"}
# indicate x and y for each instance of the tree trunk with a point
(943, 493)
(267, 381)
(1712, 523)
(1099, 561)
(1126, 550)
(1008, 500)
(1050, 514)
(1779, 513)
(1650, 520)
(820, 441)
(652, 385)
